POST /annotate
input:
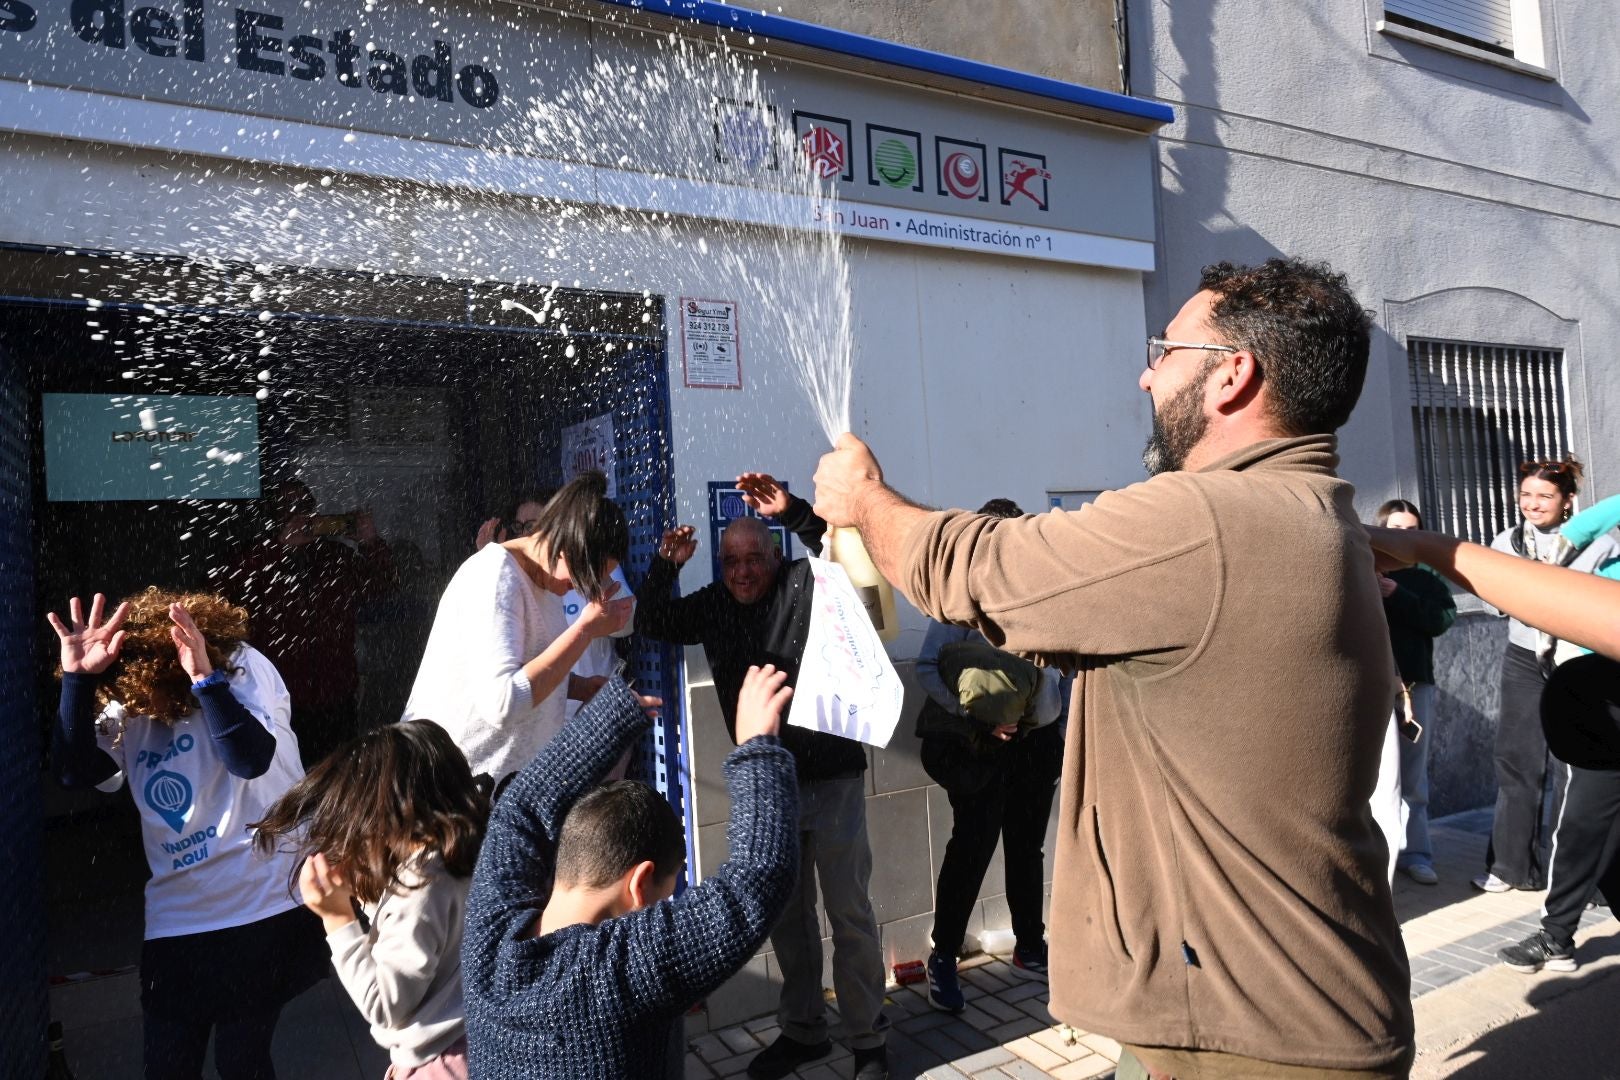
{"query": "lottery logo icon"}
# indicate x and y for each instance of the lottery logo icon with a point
(963, 175)
(825, 151)
(895, 164)
(169, 794)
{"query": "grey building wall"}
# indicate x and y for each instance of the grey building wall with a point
(1072, 40)
(1464, 199)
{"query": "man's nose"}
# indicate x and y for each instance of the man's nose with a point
(1145, 380)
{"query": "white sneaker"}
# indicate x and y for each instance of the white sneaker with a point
(1422, 873)
(1492, 883)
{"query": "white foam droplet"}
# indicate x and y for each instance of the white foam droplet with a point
(264, 376)
(262, 392)
(265, 316)
(148, 419)
(155, 465)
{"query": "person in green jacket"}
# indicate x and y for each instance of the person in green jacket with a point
(1419, 608)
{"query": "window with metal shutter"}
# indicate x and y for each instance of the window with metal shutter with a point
(1486, 22)
(1477, 412)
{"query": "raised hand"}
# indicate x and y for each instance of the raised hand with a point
(326, 892)
(90, 646)
(760, 703)
(764, 493)
(840, 476)
(190, 644)
(678, 545)
(607, 616)
(489, 532)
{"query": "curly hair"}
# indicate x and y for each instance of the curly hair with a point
(379, 802)
(1306, 331)
(147, 678)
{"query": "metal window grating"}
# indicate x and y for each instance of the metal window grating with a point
(1477, 412)
(1489, 22)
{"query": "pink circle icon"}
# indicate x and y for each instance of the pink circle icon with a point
(963, 176)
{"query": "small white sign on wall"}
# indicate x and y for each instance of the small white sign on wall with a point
(589, 445)
(709, 344)
(847, 685)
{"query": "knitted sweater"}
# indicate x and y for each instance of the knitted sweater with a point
(599, 1001)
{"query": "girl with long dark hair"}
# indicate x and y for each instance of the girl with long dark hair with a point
(392, 820)
(1546, 500)
(496, 671)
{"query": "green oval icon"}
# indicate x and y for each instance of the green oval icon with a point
(895, 164)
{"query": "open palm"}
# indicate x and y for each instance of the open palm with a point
(89, 646)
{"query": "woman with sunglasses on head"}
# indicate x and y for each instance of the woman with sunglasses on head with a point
(1546, 500)
(497, 668)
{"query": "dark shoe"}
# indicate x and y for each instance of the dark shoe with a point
(784, 1055)
(1030, 963)
(872, 1064)
(944, 991)
(1538, 951)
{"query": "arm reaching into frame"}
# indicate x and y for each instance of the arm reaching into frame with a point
(1568, 604)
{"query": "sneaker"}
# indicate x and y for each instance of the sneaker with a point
(1538, 951)
(1029, 963)
(944, 991)
(1491, 883)
(784, 1055)
(872, 1064)
(1422, 873)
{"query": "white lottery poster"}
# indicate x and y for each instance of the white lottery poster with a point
(709, 343)
(847, 685)
(589, 445)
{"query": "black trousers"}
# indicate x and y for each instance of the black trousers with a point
(1585, 849)
(1004, 795)
(1514, 854)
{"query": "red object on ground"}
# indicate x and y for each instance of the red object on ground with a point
(911, 971)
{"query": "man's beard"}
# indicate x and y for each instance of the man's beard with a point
(1177, 428)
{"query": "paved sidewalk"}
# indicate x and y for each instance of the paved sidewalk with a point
(1460, 992)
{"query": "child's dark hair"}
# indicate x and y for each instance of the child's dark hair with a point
(586, 528)
(1398, 506)
(1564, 474)
(377, 801)
(1001, 508)
(614, 828)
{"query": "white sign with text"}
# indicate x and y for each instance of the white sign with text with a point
(709, 343)
(589, 445)
(847, 685)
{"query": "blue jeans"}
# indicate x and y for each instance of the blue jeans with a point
(1415, 778)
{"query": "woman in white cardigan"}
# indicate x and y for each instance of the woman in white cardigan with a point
(496, 671)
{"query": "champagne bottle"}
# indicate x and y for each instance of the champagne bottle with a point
(844, 547)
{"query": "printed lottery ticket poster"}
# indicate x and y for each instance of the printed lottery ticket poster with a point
(847, 685)
(709, 344)
(589, 445)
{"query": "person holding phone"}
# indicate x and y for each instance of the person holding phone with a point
(1419, 608)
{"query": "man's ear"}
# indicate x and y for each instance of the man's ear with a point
(1235, 382)
(641, 885)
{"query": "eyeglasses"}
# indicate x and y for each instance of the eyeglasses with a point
(1157, 347)
(521, 527)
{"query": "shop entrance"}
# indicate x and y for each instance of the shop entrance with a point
(427, 406)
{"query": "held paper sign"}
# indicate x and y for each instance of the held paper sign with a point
(847, 686)
(589, 445)
(709, 341)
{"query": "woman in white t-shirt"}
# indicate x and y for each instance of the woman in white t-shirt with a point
(497, 669)
(199, 724)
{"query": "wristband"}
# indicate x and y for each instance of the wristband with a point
(213, 678)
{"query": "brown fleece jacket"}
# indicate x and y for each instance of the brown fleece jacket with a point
(1220, 884)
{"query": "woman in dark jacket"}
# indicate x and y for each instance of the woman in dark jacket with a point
(1419, 608)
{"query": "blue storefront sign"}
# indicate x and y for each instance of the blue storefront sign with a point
(121, 447)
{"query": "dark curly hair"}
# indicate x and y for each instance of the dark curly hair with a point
(586, 528)
(147, 678)
(1306, 331)
(378, 802)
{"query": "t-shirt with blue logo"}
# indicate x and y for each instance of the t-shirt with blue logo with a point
(194, 813)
